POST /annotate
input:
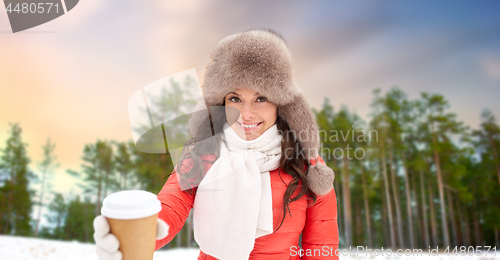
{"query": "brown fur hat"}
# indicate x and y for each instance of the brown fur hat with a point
(261, 61)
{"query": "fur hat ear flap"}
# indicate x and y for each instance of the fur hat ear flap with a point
(320, 178)
(303, 124)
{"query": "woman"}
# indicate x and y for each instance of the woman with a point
(252, 173)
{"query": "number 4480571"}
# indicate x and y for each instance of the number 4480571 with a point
(32, 8)
(463, 250)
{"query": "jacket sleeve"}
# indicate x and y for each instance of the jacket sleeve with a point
(176, 204)
(320, 237)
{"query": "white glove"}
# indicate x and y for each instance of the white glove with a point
(107, 244)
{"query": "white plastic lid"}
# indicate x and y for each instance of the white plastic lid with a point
(130, 204)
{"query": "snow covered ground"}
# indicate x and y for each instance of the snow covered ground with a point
(25, 248)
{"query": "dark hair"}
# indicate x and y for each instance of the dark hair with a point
(207, 142)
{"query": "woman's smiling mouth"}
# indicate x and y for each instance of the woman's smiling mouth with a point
(249, 127)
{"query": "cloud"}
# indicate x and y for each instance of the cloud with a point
(186, 32)
(491, 67)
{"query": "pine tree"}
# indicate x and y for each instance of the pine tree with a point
(379, 123)
(398, 111)
(440, 126)
(97, 173)
(123, 161)
(78, 224)
(46, 168)
(57, 215)
(15, 199)
(488, 138)
(345, 123)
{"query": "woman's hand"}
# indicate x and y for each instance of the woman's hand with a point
(107, 244)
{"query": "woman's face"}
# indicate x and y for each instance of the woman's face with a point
(256, 113)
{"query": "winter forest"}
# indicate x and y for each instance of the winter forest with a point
(410, 175)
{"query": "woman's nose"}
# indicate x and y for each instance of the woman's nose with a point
(247, 111)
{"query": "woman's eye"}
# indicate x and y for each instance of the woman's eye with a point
(261, 99)
(234, 99)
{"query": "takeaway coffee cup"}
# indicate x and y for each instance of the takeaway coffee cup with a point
(132, 217)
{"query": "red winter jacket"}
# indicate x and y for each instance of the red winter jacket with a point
(318, 223)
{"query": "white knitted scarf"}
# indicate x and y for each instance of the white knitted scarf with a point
(233, 203)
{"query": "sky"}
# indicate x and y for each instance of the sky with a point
(70, 79)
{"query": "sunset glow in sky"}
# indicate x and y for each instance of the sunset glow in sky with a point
(71, 78)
